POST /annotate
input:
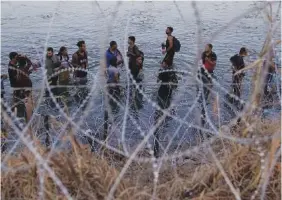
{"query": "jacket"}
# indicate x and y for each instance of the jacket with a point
(51, 64)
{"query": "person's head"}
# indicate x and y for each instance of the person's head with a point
(169, 30)
(113, 45)
(113, 62)
(208, 48)
(243, 52)
(63, 51)
(131, 40)
(50, 52)
(13, 56)
(82, 46)
(139, 61)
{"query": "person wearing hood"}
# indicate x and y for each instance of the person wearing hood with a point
(51, 64)
(113, 52)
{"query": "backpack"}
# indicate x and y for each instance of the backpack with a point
(142, 55)
(176, 44)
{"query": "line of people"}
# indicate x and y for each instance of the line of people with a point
(57, 67)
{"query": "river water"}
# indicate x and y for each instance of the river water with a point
(28, 27)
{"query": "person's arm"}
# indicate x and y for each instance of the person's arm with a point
(12, 75)
(56, 63)
(4, 76)
(203, 58)
(136, 51)
(86, 66)
(121, 61)
(128, 53)
(74, 60)
(108, 58)
(170, 42)
(233, 62)
(29, 63)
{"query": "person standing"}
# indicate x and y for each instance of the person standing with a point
(19, 70)
(113, 76)
(64, 74)
(168, 59)
(132, 53)
(113, 87)
(113, 52)
(12, 68)
(171, 46)
(209, 59)
(52, 64)
(80, 60)
(139, 66)
(63, 58)
(238, 63)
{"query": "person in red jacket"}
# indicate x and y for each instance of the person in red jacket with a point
(209, 59)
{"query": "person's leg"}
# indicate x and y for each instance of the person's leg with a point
(51, 82)
(206, 86)
(54, 84)
(236, 86)
(240, 84)
(28, 105)
(200, 87)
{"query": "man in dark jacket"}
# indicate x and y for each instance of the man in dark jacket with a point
(238, 64)
(19, 70)
(132, 53)
(51, 65)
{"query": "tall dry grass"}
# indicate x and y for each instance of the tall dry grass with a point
(90, 176)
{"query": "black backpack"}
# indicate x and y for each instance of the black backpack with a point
(176, 44)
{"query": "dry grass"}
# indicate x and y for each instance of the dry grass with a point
(89, 176)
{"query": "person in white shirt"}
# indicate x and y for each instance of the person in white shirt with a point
(63, 57)
(113, 77)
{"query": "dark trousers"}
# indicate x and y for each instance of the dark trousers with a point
(236, 84)
(168, 59)
(133, 70)
(164, 96)
(207, 83)
(53, 83)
